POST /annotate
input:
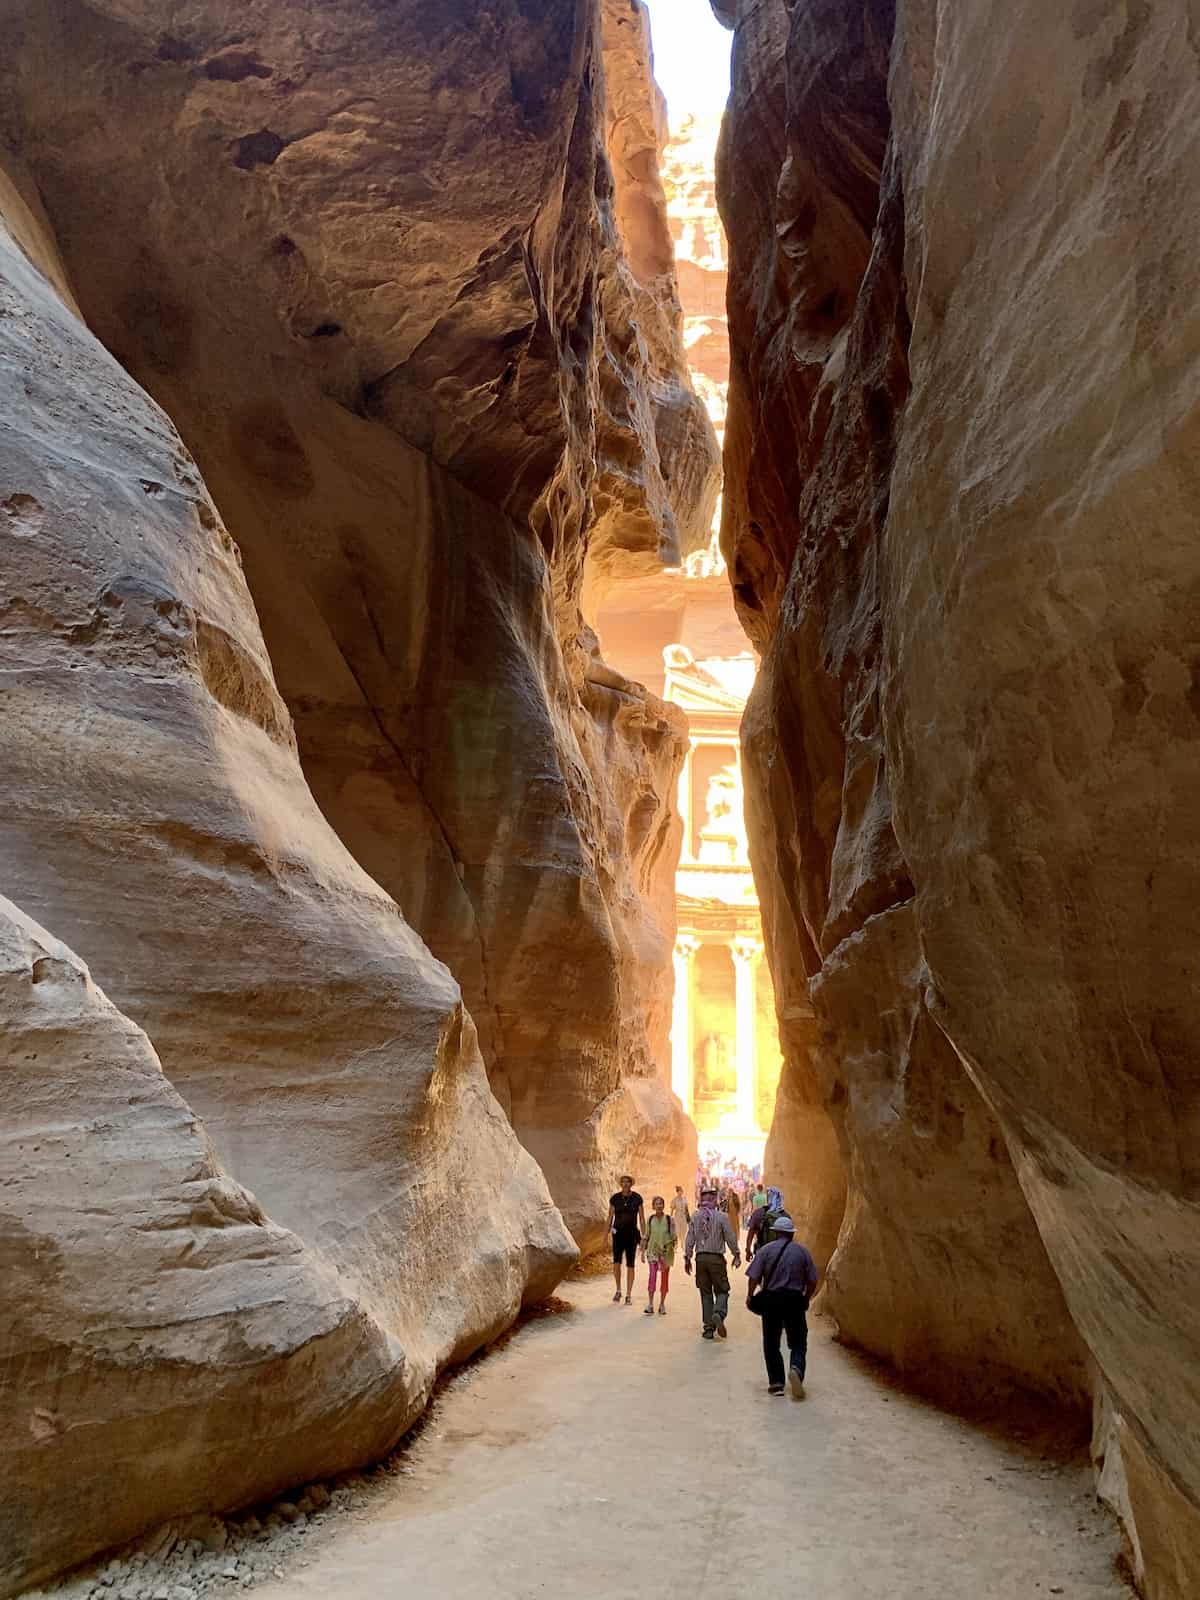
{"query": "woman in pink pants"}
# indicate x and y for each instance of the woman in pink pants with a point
(658, 1248)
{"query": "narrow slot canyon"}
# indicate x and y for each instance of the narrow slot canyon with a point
(588, 588)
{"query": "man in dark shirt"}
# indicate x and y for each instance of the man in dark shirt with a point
(787, 1275)
(626, 1223)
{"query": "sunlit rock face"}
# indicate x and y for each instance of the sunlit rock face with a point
(961, 525)
(678, 633)
(634, 533)
(319, 1203)
(371, 261)
(689, 183)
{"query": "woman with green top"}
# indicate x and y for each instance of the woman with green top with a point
(658, 1248)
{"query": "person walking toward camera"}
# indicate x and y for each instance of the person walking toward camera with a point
(658, 1248)
(626, 1223)
(708, 1235)
(783, 1279)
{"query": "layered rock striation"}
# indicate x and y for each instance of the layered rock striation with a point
(287, 711)
(319, 1203)
(372, 263)
(960, 527)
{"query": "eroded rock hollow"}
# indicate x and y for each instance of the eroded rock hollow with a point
(331, 343)
(962, 529)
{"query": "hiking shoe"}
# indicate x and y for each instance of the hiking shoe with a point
(722, 1331)
(795, 1384)
(707, 1333)
(774, 1388)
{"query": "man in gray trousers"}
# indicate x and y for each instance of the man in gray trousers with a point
(708, 1234)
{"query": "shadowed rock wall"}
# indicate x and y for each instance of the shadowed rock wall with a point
(962, 526)
(155, 1311)
(369, 260)
(882, 1143)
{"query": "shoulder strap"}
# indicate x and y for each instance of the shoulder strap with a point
(775, 1264)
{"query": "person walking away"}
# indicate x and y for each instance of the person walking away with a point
(658, 1249)
(681, 1213)
(785, 1278)
(760, 1230)
(708, 1234)
(626, 1223)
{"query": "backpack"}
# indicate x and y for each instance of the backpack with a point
(767, 1234)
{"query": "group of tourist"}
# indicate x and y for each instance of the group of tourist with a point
(781, 1274)
(726, 1175)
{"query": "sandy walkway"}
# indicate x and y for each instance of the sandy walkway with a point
(573, 1462)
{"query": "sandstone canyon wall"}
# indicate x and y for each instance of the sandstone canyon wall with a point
(155, 807)
(370, 261)
(961, 524)
(689, 183)
(285, 712)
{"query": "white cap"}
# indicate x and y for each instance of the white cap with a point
(783, 1223)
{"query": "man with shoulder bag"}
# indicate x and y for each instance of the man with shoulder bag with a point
(783, 1279)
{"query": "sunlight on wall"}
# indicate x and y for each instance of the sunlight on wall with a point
(676, 631)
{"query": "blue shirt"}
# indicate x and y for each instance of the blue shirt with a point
(799, 1271)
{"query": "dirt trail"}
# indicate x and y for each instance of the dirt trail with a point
(607, 1455)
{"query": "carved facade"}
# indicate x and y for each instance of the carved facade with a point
(676, 633)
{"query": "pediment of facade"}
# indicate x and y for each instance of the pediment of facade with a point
(696, 690)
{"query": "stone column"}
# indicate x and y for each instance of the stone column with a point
(682, 1066)
(746, 951)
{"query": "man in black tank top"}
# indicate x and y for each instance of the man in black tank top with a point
(626, 1223)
